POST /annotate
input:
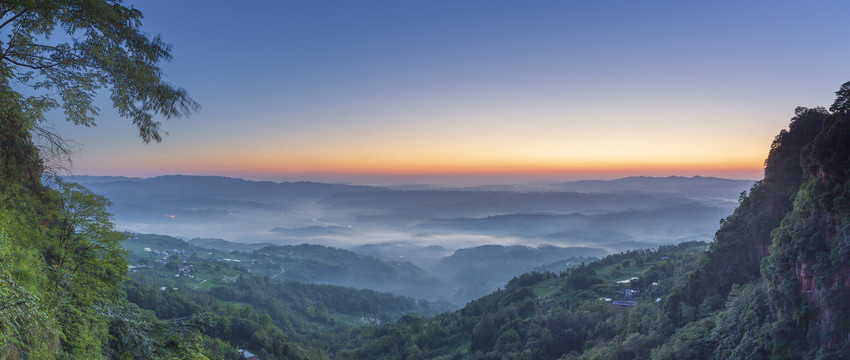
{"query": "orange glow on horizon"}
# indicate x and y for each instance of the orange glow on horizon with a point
(737, 171)
(467, 160)
(475, 168)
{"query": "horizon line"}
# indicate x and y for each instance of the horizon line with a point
(434, 179)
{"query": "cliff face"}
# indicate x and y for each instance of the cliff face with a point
(744, 237)
(808, 268)
(788, 246)
(783, 175)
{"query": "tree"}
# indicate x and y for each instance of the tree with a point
(842, 99)
(60, 54)
(64, 51)
(84, 236)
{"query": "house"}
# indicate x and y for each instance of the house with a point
(625, 303)
(629, 280)
(247, 355)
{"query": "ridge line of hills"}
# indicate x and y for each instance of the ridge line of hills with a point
(771, 285)
(632, 183)
(456, 278)
(351, 216)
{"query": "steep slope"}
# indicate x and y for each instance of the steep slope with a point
(478, 271)
(809, 264)
(61, 269)
(744, 237)
(545, 315)
(773, 285)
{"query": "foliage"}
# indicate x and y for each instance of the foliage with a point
(61, 265)
(27, 329)
(65, 51)
(743, 327)
(744, 237)
(807, 270)
(772, 285)
(302, 263)
(19, 159)
(689, 342)
(315, 316)
(515, 322)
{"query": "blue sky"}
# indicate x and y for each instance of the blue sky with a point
(478, 91)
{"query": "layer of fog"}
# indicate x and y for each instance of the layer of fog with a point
(423, 226)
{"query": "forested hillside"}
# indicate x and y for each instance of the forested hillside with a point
(773, 284)
(62, 270)
(175, 280)
(305, 263)
(61, 262)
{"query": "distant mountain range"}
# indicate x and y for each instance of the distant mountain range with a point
(693, 186)
(611, 215)
(241, 187)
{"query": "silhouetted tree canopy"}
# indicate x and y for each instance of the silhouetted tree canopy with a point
(64, 51)
(842, 99)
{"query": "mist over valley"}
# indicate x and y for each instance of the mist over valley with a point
(450, 244)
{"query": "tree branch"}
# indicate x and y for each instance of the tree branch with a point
(4, 13)
(54, 150)
(69, 55)
(12, 18)
(34, 67)
(8, 50)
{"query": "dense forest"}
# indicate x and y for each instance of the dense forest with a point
(772, 285)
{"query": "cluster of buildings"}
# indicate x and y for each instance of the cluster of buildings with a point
(628, 294)
(166, 252)
(369, 321)
(247, 355)
(185, 270)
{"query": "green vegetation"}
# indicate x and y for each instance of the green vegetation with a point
(773, 285)
(61, 268)
(61, 265)
(163, 261)
(63, 52)
(305, 263)
(547, 315)
(177, 280)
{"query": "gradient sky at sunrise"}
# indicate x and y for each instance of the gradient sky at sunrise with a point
(478, 91)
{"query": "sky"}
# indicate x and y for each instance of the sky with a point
(465, 92)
